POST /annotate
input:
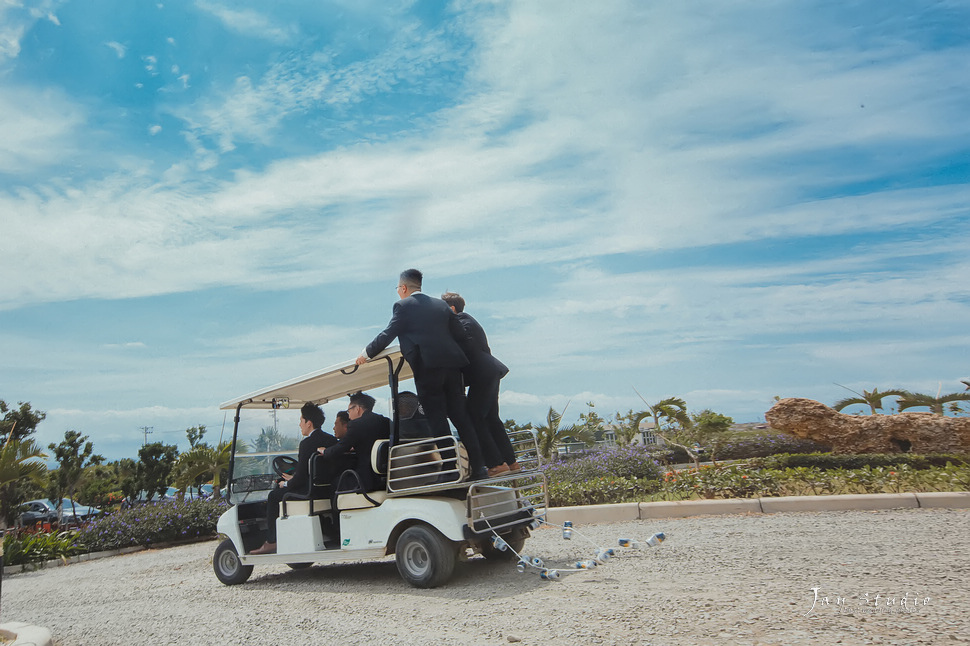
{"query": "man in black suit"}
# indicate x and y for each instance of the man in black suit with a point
(482, 376)
(311, 419)
(431, 337)
(363, 430)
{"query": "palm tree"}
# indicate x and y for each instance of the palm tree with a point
(203, 462)
(626, 427)
(673, 409)
(871, 399)
(549, 436)
(935, 404)
(19, 460)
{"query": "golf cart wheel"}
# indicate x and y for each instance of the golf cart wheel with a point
(425, 558)
(489, 551)
(227, 566)
(298, 566)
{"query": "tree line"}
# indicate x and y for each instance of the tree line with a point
(81, 474)
(692, 432)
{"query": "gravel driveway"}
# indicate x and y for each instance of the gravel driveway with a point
(716, 580)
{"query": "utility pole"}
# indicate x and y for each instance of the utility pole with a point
(146, 430)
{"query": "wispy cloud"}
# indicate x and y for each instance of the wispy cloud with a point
(249, 22)
(119, 49)
(37, 128)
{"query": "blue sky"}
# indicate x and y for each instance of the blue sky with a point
(725, 202)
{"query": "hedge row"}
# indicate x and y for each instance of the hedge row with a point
(859, 460)
(147, 525)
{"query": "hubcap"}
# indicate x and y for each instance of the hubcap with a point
(228, 562)
(417, 558)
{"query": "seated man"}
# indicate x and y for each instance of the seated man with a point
(311, 419)
(364, 429)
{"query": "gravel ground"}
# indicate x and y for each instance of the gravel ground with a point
(716, 580)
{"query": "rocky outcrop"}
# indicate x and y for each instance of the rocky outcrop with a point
(905, 432)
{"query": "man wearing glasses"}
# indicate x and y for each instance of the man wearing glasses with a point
(431, 339)
(353, 449)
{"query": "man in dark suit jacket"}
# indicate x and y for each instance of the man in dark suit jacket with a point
(482, 376)
(431, 337)
(311, 419)
(364, 429)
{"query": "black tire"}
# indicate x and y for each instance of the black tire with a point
(488, 550)
(298, 566)
(227, 565)
(425, 558)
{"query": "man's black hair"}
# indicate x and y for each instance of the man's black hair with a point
(313, 414)
(412, 278)
(364, 401)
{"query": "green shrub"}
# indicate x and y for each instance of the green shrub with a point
(37, 548)
(601, 490)
(859, 460)
(743, 481)
(722, 481)
(151, 524)
(765, 444)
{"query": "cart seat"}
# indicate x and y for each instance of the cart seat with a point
(307, 507)
(360, 500)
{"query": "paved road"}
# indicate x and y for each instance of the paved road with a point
(716, 580)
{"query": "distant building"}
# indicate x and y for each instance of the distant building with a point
(645, 437)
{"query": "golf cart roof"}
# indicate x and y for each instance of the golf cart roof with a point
(325, 385)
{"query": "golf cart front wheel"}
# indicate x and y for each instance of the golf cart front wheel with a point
(425, 558)
(227, 565)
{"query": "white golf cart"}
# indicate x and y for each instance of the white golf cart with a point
(426, 512)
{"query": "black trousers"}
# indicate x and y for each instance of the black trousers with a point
(483, 409)
(273, 501)
(442, 395)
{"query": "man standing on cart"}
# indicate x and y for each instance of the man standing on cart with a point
(431, 339)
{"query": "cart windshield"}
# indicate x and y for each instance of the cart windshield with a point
(252, 473)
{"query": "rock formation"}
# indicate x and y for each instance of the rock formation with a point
(901, 433)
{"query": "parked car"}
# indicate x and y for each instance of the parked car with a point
(36, 511)
(143, 498)
(45, 510)
(191, 493)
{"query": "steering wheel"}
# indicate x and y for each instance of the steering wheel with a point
(284, 464)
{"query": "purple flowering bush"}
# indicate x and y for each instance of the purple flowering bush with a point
(151, 524)
(617, 474)
(631, 461)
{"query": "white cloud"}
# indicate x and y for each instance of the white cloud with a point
(119, 49)
(249, 22)
(16, 19)
(36, 129)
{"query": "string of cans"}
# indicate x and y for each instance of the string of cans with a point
(600, 556)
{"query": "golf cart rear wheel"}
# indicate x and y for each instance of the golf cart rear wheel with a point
(425, 558)
(227, 566)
